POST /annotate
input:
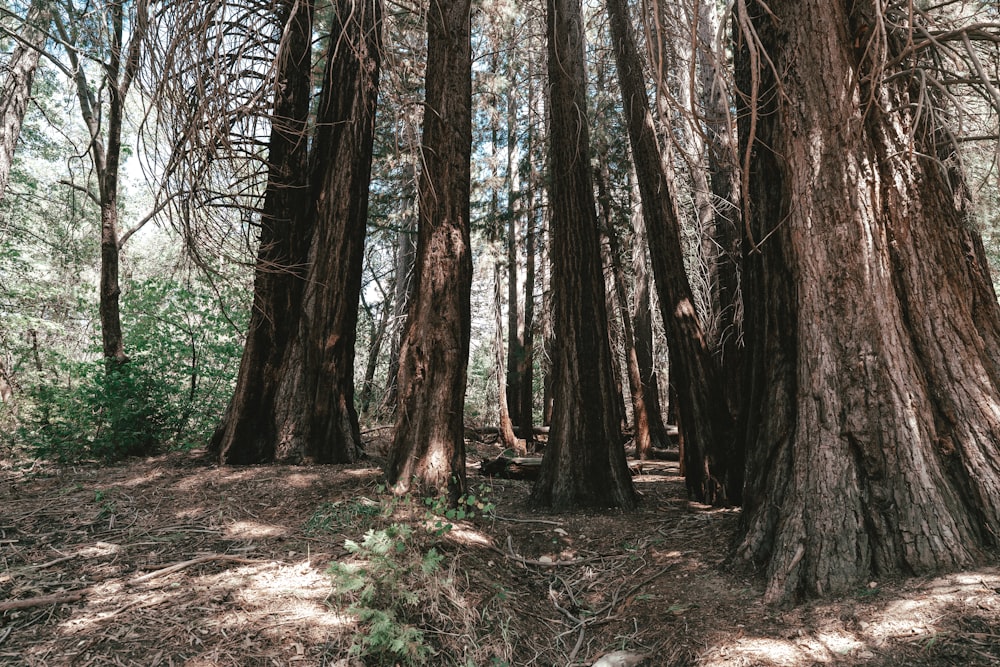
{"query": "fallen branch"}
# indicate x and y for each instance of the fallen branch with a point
(177, 567)
(43, 600)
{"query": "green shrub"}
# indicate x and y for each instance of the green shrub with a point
(99, 413)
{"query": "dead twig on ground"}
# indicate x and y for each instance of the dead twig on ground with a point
(44, 600)
(177, 567)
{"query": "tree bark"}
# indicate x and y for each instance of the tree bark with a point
(712, 465)
(872, 325)
(247, 433)
(584, 463)
(15, 89)
(105, 148)
(314, 413)
(642, 326)
(294, 400)
(723, 174)
(428, 450)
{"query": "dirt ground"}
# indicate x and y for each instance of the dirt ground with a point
(171, 561)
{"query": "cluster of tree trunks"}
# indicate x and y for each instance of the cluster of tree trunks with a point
(872, 327)
(294, 399)
(868, 429)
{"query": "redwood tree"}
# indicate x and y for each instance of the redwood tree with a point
(872, 326)
(294, 399)
(247, 433)
(712, 465)
(428, 449)
(584, 462)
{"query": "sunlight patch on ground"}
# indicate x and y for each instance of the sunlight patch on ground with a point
(300, 480)
(140, 480)
(246, 530)
(912, 617)
(468, 536)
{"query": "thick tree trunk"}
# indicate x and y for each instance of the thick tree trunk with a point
(584, 463)
(428, 450)
(295, 395)
(15, 89)
(872, 326)
(247, 433)
(314, 413)
(712, 465)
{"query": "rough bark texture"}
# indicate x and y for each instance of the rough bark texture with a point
(247, 433)
(872, 326)
(428, 450)
(712, 465)
(15, 89)
(314, 413)
(294, 399)
(723, 174)
(584, 463)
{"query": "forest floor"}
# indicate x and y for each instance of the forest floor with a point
(171, 561)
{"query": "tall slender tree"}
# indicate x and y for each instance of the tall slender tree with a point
(428, 449)
(713, 470)
(15, 88)
(872, 324)
(584, 462)
(120, 59)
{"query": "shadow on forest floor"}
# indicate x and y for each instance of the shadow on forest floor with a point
(168, 561)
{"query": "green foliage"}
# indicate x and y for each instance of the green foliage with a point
(338, 516)
(440, 509)
(384, 588)
(184, 354)
(100, 413)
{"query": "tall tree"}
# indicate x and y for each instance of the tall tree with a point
(120, 63)
(314, 411)
(712, 468)
(872, 325)
(428, 449)
(15, 88)
(295, 395)
(247, 433)
(584, 462)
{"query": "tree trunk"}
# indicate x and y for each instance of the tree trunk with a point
(314, 413)
(723, 174)
(584, 463)
(428, 450)
(105, 148)
(642, 327)
(713, 469)
(872, 326)
(247, 433)
(15, 89)
(295, 394)
(374, 350)
(403, 283)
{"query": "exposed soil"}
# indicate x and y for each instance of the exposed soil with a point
(170, 561)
